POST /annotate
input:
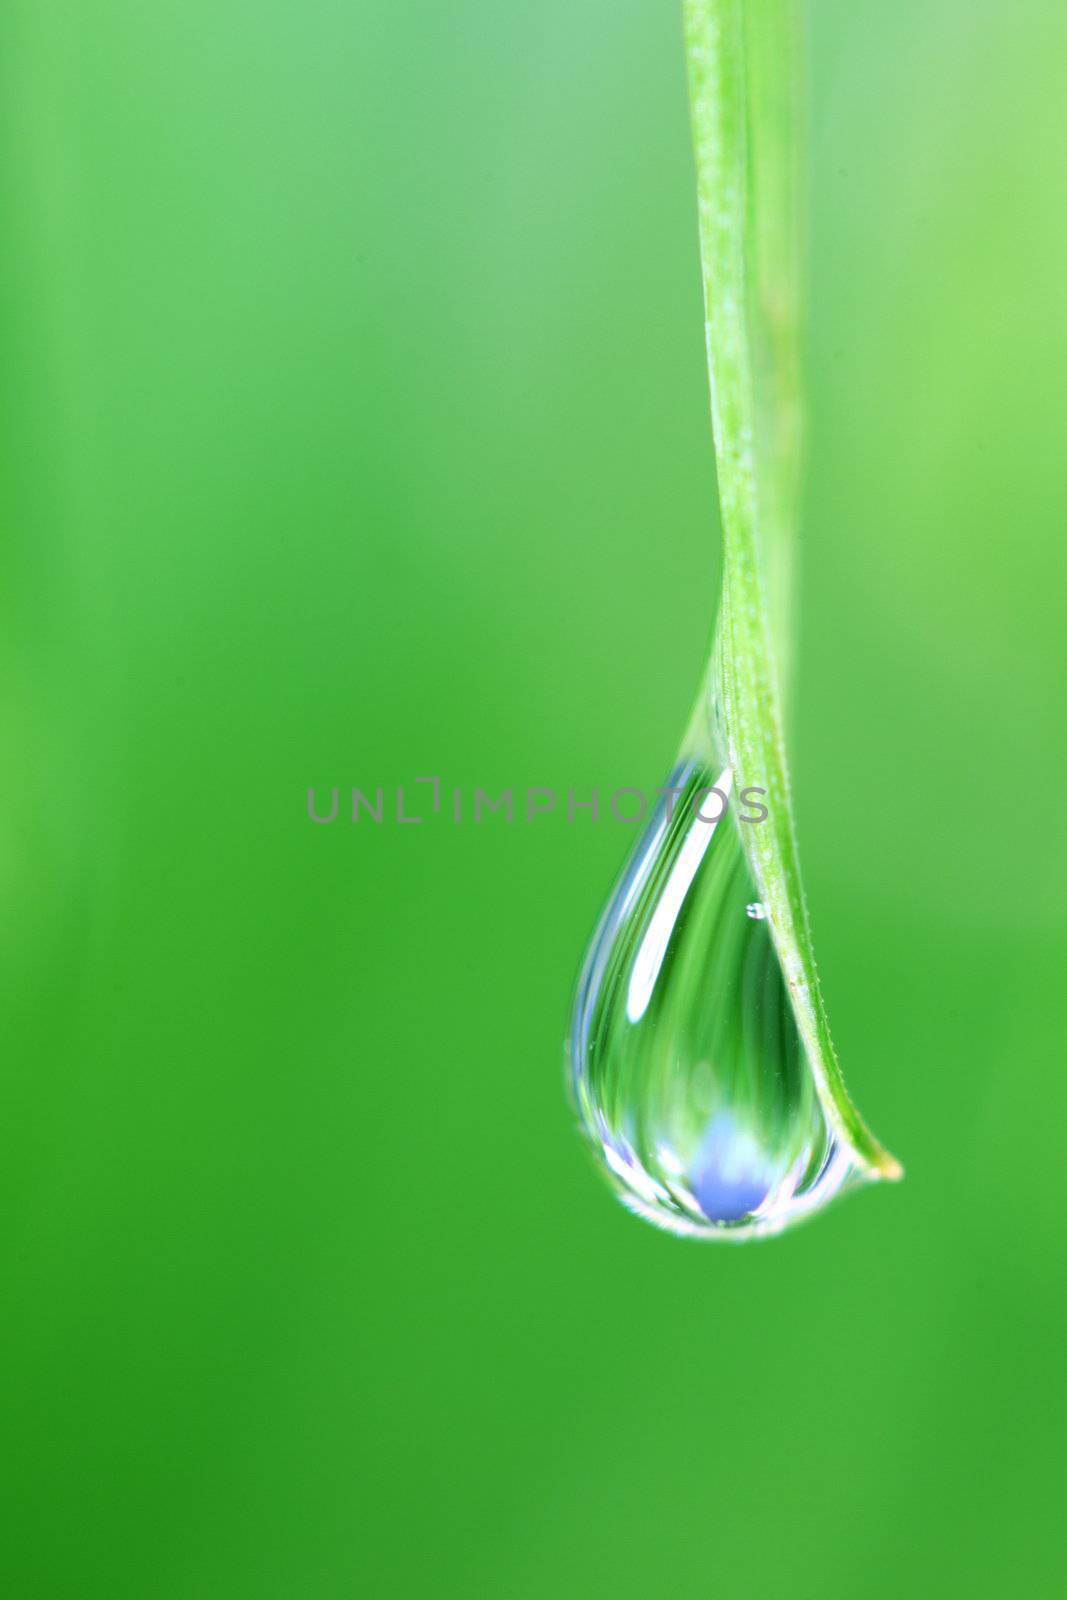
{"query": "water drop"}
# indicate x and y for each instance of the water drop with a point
(687, 1066)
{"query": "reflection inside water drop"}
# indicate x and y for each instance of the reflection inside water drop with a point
(687, 1066)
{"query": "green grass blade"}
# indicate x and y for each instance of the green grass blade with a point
(745, 102)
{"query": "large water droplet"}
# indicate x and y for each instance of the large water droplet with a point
(688, 1069)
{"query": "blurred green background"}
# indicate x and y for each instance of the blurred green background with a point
(353, 427)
